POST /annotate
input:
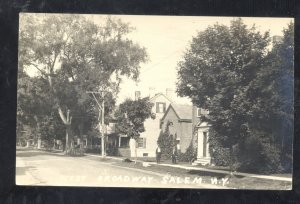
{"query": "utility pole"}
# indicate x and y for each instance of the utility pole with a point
(101, 124)
(68, 124)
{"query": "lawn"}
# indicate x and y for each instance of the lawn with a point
(236, 182)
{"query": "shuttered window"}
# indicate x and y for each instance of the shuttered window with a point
(141, 142)
(160, 107)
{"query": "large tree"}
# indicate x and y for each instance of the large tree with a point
(273, 88)
(219, 72)
(76, 55)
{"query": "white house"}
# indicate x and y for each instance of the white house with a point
(147, 142)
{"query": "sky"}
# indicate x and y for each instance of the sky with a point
(166, 38)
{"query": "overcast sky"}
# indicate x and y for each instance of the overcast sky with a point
(166, 38)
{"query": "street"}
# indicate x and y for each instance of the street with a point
(35, 167)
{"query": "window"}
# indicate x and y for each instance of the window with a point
(145, 154)
(141, 142)
(160, 107)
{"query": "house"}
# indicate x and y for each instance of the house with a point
(179, 119)
(187, 128)
(201, 132)
(93, 141)
(147, 142)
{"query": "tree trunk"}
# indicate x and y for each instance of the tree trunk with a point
(231, 158)
(66, 120)
(68, 139)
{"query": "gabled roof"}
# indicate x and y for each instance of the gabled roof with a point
(183, 112)
(160, 94)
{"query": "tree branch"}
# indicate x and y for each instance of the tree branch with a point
(42, 71)
(62, 116)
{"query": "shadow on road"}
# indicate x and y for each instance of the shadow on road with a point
(35, 153)
(21, 170)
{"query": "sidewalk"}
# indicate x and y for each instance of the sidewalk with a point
(198, 168)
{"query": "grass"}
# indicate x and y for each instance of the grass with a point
(236, 182)
(258, 184)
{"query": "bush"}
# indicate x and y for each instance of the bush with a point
(93, 150)
(165, 141)
(220, 156)
(257, 155)
(189, 156)
(112, 151)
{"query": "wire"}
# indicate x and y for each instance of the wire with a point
(172, 54)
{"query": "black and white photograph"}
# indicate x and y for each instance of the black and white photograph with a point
(149, 101)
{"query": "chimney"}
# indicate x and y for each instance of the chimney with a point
(137, 95)
(170, 93)
(151, 92)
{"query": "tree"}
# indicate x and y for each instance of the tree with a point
(76, 55)
(131, 116)
(35, 111)
(220, 72)
(274, 88)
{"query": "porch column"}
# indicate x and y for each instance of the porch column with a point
(207, 146)
(203, 136)
(200, 144)
(132, 145)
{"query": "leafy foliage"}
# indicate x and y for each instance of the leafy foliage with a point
(131, 116)
(166, 143)
(220, 155)
(71, 55)
(189, 155)
(247, 89)
(264, 157)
